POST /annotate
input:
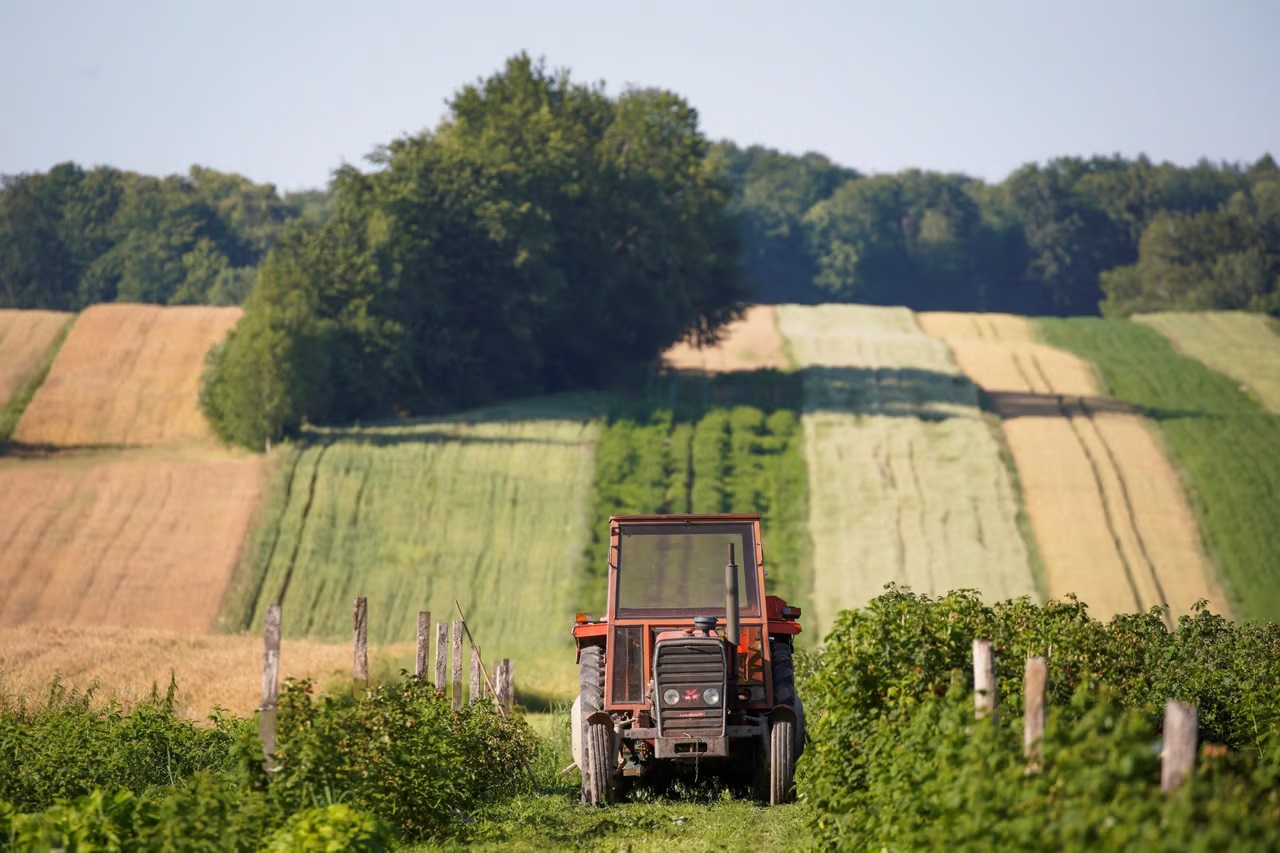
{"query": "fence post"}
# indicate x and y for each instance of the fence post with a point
(360, 622)
(457, 665)
(270, 687)
(508, 684)
(477, 692)
(1037, 674)
(424, 643)
(1178, 758)
(442, 656)
(984, 679)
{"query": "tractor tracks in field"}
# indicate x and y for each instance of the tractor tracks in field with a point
(1116, 502)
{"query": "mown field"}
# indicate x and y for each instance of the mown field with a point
(906, 481)
(489, 508)
(1227, 447)
(1110, 520)
(28, 342)
(1245, 347)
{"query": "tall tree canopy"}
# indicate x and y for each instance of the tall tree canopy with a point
(544, 236)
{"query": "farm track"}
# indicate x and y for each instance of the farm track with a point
(905, 479)
(1106, 507)
(25, 337)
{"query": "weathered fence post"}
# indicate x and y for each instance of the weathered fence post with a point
(477, 692)
(442, 656)
(457, 665)
(507, 694)
(1178, 758)
(360, 621)
(270, 687)
(1036, 677)
(424, 643)
(984, 679)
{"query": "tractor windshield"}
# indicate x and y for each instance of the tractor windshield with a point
(670, 570)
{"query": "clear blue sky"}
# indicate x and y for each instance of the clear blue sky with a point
(286, 91)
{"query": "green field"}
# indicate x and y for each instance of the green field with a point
(731, 443)
(906, 479)
(1227, 448)
(488, 507)
(1245, 347)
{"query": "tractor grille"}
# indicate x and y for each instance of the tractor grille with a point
(690, 667)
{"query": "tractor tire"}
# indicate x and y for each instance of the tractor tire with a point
(597, 738)
(782, 762)
(784, 673)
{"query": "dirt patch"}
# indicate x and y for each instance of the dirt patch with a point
(141, 539)
(210, 670)
(1107, 509)
(751, 343)
(127, 375)
(25, 336)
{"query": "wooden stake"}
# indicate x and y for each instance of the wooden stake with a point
(360, 622)
(984, 679)
(270, 687)
(1178, 758)
(457, 664)
(1037, 675)
(442, 656)
(476, 694)
(424, 643)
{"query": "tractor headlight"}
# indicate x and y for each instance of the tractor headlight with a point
(711, 696)
(671, 697)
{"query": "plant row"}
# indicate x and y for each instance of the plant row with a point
(898, 760)
(354, 770)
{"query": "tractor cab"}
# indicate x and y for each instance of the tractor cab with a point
(691, 661)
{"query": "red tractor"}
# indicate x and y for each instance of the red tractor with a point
(690, 668)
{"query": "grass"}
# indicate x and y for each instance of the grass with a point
(488, 507)
(12, 409)
(1227, 448)
(691, 443)
(906, 480)
(1244, 346)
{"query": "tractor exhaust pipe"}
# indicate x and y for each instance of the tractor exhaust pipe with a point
(731, 599)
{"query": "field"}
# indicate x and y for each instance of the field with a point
(1106, 507)
(906, 482)
(1243, 346)
(25, 337)
(145, 540)
(489, 508)
(210, 670)
(1227, 448)
(126, 376)
(752, 343)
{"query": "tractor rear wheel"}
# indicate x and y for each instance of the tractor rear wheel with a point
(782, 761)
(597, 738)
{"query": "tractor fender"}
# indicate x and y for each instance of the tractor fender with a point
(794, 713)
(577, 724)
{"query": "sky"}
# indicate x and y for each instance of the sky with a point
(284, 92)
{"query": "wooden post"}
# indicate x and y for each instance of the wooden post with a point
(442, 656)
(507, 688)
(477, 692)
(1178, 758)
(360, 622)
(270, 687)
(457, 665)
(424, 643)
(500, 683)
(984, 679)
(1037, 675)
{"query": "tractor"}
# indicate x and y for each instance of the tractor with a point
(689, 670)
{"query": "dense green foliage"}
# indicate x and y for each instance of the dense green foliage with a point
(541, 238)
(1227, 448)
(730, 443)
(1051, 239)
(898, 761)
(355, 770)
(70, 238)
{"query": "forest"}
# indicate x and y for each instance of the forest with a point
(546, 235)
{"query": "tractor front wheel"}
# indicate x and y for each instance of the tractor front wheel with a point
(782, 761)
